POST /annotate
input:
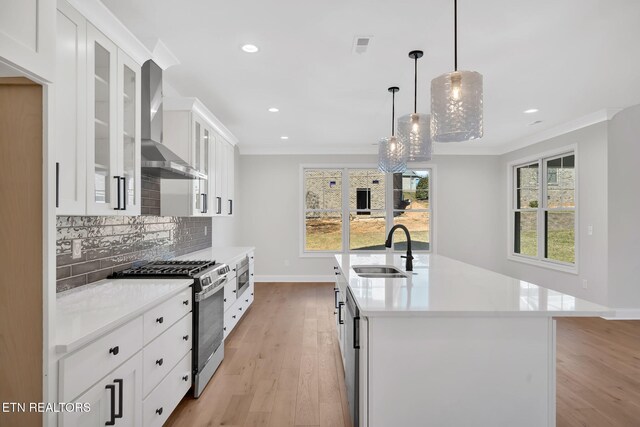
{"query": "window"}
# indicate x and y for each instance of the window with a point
(352, 209)
(544, 210)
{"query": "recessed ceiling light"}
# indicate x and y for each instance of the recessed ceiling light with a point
(530, 111)
(284, 137)
(250, 48)
(273, 110)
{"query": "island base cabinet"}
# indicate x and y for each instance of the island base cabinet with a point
(115, 400)
(460, 371)
(165, 397)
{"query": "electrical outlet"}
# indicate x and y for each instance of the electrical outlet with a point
(76, 248)
(205, 230)
(590, 230)
(584, 284)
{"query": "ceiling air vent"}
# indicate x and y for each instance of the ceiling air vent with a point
(361, 44)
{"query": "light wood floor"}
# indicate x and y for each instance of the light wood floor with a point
(598, 373)
(282, 368)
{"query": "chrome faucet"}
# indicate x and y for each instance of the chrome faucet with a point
(387, 243)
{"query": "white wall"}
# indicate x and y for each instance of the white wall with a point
(591, 161)
(269, 208)
(624, 209)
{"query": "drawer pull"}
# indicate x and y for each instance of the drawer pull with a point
(240, 308)
(225, 300)
(247, 300)
(235, 290)
(234, 316)
(185, 378)
(160, 319)
(185, 302)
(186, 337)
(114, 350)
(252, 293)
(159, 411)
(224, 329)
(159, 362)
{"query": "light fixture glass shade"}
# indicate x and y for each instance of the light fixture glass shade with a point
(392, 156)
(456, 107)
(414, 130)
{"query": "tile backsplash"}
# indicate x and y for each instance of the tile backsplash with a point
(114, 243)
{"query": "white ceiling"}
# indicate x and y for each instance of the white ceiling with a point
(568, 58)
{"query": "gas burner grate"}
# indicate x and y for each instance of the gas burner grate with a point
(166, 268)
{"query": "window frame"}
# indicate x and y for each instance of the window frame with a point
(541, 160)
(303, 253)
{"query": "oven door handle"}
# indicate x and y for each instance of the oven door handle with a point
(200, 296)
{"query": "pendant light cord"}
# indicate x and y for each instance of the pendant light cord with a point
(415, 85)
(393, 112)
(455, 35)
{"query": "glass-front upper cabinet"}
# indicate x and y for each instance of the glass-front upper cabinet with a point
(102, 180)
(200, 161)
(129, 91)
(113, 110)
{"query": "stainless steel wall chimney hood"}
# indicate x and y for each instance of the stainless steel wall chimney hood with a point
(157, 159)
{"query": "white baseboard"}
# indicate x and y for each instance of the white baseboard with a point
(318, 278)
(625, 314)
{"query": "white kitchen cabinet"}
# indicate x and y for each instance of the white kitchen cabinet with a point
(187, 134)
(225, 170)
(97, 121)
(235, 306)
(114, 400)
(27, 35)
(147, 359)
(113, 132)
(70, 138)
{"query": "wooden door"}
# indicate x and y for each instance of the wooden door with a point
(21, 247)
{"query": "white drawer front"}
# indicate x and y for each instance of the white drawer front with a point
(231, 317)
(159, 319)
(229, 293)
(83, 368)
(157, 407)
(162, 354)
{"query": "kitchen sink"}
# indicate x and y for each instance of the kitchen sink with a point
(379, 271)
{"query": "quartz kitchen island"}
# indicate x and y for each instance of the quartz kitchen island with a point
(452, 345)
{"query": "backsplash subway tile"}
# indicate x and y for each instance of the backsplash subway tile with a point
(114, 243)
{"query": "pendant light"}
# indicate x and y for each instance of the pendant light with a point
(414, 129)
(456, 101)
(392, 156)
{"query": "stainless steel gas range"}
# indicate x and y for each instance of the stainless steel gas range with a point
(209, 279)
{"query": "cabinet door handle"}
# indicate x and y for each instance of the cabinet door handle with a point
(356, 332)
(159, 411)
(340, 319)
(160, 319)
(112, 409)
(230, 207)
(160, 361)
(185, 378)
(186, 337)
(202, 207)
(219, 202)
(57, 185)
(124, 193)
(335, 297)
(206, 203)
(185, 302)
(120, 398)
(114, 350)
(117, 178)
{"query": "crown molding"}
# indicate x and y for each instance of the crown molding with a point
(194, 104)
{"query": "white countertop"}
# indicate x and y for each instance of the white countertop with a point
(223, 254)
(85, 313)
(441, 286)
